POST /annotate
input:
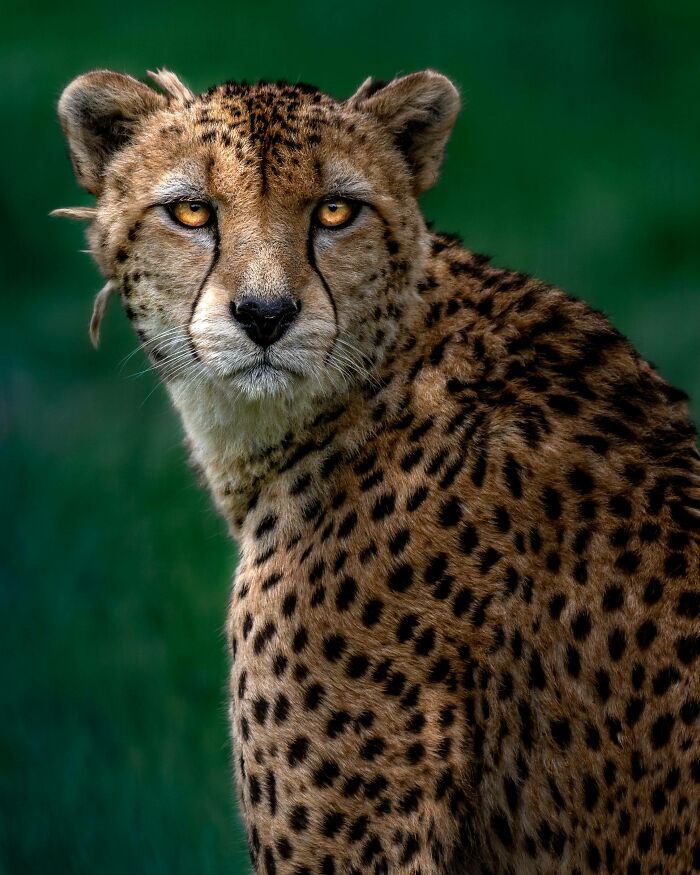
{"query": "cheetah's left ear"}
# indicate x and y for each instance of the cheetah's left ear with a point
(419, 110)
(100, 112)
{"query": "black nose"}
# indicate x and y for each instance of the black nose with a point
(264, 320)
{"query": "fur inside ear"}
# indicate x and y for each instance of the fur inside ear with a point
(99, 113)
(419, 110)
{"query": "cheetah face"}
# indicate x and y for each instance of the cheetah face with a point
(263, 238)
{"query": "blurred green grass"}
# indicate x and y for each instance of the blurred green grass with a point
(575, 158)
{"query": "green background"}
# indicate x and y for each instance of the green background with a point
(576, 158)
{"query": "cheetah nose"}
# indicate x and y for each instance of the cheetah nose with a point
(265, 320)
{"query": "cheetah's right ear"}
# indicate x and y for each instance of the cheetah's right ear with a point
(99, 113)
(419, 110)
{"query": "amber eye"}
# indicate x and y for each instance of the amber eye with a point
(335, 212)
(191, 214)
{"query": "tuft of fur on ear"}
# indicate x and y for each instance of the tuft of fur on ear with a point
(419, 110)
(83, 214)
(172, 85)
(99, 113)
(98, 311)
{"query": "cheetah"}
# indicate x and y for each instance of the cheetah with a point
(464, 628)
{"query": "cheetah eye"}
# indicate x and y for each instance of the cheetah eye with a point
(336, 212)
(191, 214)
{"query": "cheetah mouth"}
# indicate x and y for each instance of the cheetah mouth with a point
(265, 378)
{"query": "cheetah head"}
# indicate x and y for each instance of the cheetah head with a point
(265, 239)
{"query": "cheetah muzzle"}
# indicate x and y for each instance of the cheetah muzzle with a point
(464, 629)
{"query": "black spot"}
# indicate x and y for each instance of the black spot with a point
(613, 597)
(297, 750)
(501, 827)
(670, 841)
(664, 678)
(649, 531)
(326, 773)
(620, 506)
(263, 636)
(637, 767)
(489, 558)
(602, 684)
(653, 591)
(537, 676)
(551, 501)
(581, 625)
(556, 605)
(289, 604)
(337, 723)
(638, 676)
(573, 661)
(690, 711)
(333, 647)
(634, 710)
(511, 472)
(438, 671)
(300, 640)
(347, 525)
(299, 818)
(267, 524)
(450, 512)
(425, 642)
(628, 562)
(688, 604)
(468, 539)
(260, 709)
(398, 542)
(314, 696)
(561, 732)
(332, 823)
(372, 748)
(415, 753)
(593, 857)
(372, 612)
(347, 592)
(411, 459)
(580, 481)
(645, 839)
(406, 627)
(616, 644)
(688, 648)
(401, 578)
(646, 634)
(281, 709)
(416, 499)
(357, 665)
(462, 601)
(676, 565)
(384, 506)
(661, 731)
(592, 737)
(590, 792)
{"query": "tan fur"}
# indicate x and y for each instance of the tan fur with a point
(464, 626)
(170, 83)
(98, 311)
(78, 213)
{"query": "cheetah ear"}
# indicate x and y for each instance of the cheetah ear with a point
(419, 110)
(99, 113)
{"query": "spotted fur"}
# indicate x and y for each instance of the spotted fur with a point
(464, 629)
